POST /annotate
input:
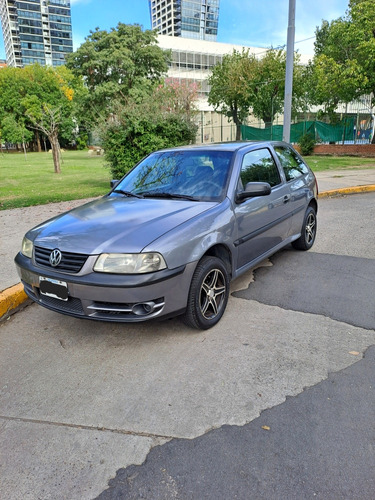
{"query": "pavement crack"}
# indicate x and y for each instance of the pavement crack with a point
(307, 311)
(87, 427)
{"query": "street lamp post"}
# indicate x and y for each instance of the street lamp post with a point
(289, 71)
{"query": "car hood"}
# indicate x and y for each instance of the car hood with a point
(115, 224)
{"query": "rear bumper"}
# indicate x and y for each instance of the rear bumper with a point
(107, 297)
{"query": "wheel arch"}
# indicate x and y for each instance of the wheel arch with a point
(314, 204)
(222, 252)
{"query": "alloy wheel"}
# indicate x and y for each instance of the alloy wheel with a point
(212, 294)
(310, 228)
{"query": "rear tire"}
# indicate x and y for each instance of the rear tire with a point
(208, 295)
(308, 232)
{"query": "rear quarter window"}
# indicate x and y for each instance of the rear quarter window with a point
(291, 163)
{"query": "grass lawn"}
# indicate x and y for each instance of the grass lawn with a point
(32, 181)
(319, 163)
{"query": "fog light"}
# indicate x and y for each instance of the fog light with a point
(143, 308)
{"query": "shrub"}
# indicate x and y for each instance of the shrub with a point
(307, 143)
(81, 141)
(126, 145)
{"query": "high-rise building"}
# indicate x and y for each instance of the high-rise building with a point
(36, 31)
(197, 19)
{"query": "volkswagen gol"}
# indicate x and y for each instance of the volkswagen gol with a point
(172, 233)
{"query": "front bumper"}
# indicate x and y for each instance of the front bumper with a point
(107, 297)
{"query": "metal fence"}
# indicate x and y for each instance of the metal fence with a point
(350, 130)
(353, 124)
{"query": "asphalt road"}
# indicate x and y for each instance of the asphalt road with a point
(277, 401)
(315, 445)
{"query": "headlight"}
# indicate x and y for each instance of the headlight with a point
(129, 263)
(27, 247)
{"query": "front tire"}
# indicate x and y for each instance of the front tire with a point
(308, 232)
(208, 295)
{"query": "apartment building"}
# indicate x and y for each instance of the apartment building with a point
(36, 31)
(196, 19)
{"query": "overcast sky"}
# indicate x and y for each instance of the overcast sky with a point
(252, 23)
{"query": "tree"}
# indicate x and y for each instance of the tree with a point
(343, 68)
(177, 97)
(231, 91)
(332, 83)
(269, 85)
(12, 88)
(134, 110)
(242, 83)
(38, 98)
(48, 114)
(335, 72)
(363, 28)
(116, 62)
(46, 119)
(15, 131)
(147, 122)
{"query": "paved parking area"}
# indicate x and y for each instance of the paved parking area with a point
(82, 401)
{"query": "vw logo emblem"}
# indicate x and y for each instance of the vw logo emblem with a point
(55, 258)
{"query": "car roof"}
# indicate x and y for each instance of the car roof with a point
(223, 146)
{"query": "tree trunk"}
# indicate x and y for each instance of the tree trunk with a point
(237, 122)
(24, 149)
(238, 131)
(37, 137)
(238, 126)
(267, 122)
(55, 146)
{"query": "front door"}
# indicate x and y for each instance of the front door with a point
(263, 222)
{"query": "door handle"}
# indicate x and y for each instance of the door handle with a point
(286, 198)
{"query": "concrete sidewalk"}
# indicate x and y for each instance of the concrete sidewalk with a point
(14, 224)
(340, 182)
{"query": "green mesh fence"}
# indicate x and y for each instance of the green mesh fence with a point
(323, 132)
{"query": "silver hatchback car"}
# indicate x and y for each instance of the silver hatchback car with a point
(172, 234)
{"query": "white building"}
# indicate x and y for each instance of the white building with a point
(193, 60)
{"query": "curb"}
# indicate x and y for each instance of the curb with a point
(14, 298)
(11, 300)
(349, 190)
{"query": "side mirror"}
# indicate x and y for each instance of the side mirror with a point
(114, 183)
(253, 189)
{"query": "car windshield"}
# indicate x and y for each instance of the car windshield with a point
(195, 175)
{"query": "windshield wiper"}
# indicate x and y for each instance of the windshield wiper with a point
(158, 194)
(127, 193)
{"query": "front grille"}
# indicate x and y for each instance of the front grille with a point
(70, 262)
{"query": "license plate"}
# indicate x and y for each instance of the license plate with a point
(53, 288)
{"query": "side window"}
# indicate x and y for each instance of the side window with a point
(259, 166)
(292, 164)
